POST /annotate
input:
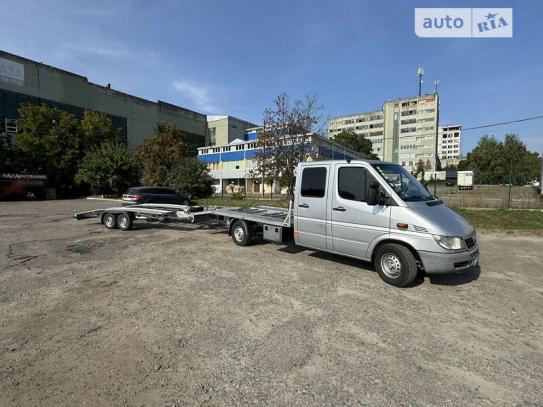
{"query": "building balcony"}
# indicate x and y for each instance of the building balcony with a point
(228, 174)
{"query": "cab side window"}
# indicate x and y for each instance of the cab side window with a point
(352, 183)
(314, 182)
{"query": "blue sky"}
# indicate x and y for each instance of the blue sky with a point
(234, 57)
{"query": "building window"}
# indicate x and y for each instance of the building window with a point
(212, 136)
(240, 147)
(10, 125)
(226, 148)
(313, 182)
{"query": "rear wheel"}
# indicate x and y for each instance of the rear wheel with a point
(396, 264)
(110, 220)
(124, 221)
(240, 233)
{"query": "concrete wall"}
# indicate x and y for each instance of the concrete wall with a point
(142, 115)
(227, 129)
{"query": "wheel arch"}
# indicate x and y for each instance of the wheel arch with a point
(251, 226)
(394, 240)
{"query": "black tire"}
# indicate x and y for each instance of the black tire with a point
(396, 264)
(124, 221)
(110, 220)
(240, 233)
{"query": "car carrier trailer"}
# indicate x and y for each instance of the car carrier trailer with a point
(243, 223)
(370, 210)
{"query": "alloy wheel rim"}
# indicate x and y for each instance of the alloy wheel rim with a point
(391, 266)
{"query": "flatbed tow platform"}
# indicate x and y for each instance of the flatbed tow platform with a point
(271, 220)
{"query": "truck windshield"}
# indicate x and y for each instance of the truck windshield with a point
(405, 184)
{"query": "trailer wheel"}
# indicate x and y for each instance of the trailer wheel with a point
(240, 233)
(396, 264)
(124, 221)
(109, 220)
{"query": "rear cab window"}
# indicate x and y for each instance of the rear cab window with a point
(313, 182)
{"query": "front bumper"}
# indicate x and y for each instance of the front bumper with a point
(443, 263)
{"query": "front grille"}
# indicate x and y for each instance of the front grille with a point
(470, 242)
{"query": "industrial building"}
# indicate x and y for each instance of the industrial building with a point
(403, 131)
(448, 145)
(25, 81)
(233, 166)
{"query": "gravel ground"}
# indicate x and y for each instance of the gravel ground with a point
(179, 315)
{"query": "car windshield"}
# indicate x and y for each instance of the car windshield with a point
(405, 184)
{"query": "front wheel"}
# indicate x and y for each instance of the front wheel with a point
(396, 264)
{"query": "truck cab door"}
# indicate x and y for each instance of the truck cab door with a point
(354, 223)
(310, 207)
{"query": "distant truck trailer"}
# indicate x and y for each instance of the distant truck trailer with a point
(465, 180)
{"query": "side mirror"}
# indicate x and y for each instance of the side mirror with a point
(372, 196)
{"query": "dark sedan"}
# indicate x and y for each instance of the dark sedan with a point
(161, 195)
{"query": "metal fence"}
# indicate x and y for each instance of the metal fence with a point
(500, 196)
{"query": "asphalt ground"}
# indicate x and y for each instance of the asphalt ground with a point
(167, 315)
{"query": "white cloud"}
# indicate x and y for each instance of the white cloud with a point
(198, 94)
(103, 51)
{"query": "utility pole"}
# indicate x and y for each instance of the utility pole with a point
(420, 73)
(541, 178)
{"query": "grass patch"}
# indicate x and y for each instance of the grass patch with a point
(494, 220)
(503, 220)
(245, 202)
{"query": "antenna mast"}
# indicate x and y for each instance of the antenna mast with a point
(420, 73)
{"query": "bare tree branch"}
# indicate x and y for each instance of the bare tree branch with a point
(285, 138)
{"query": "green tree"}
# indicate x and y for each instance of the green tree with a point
(96, 128)
(191, 177)
(493, 161)
(420, 169)
(159, 154)
(49, 142)
(285, 139)
(107, 168)
(356, 142)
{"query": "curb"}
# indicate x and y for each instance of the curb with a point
(102, 199)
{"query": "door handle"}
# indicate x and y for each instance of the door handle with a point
(304, 205)
(339, 208)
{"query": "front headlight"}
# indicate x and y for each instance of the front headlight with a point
(450, 242)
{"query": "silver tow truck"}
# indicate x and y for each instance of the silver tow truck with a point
(370, 210)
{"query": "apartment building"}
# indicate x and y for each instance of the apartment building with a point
(448, 145)
(233, 165)
(369, 124)
(404, 131)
